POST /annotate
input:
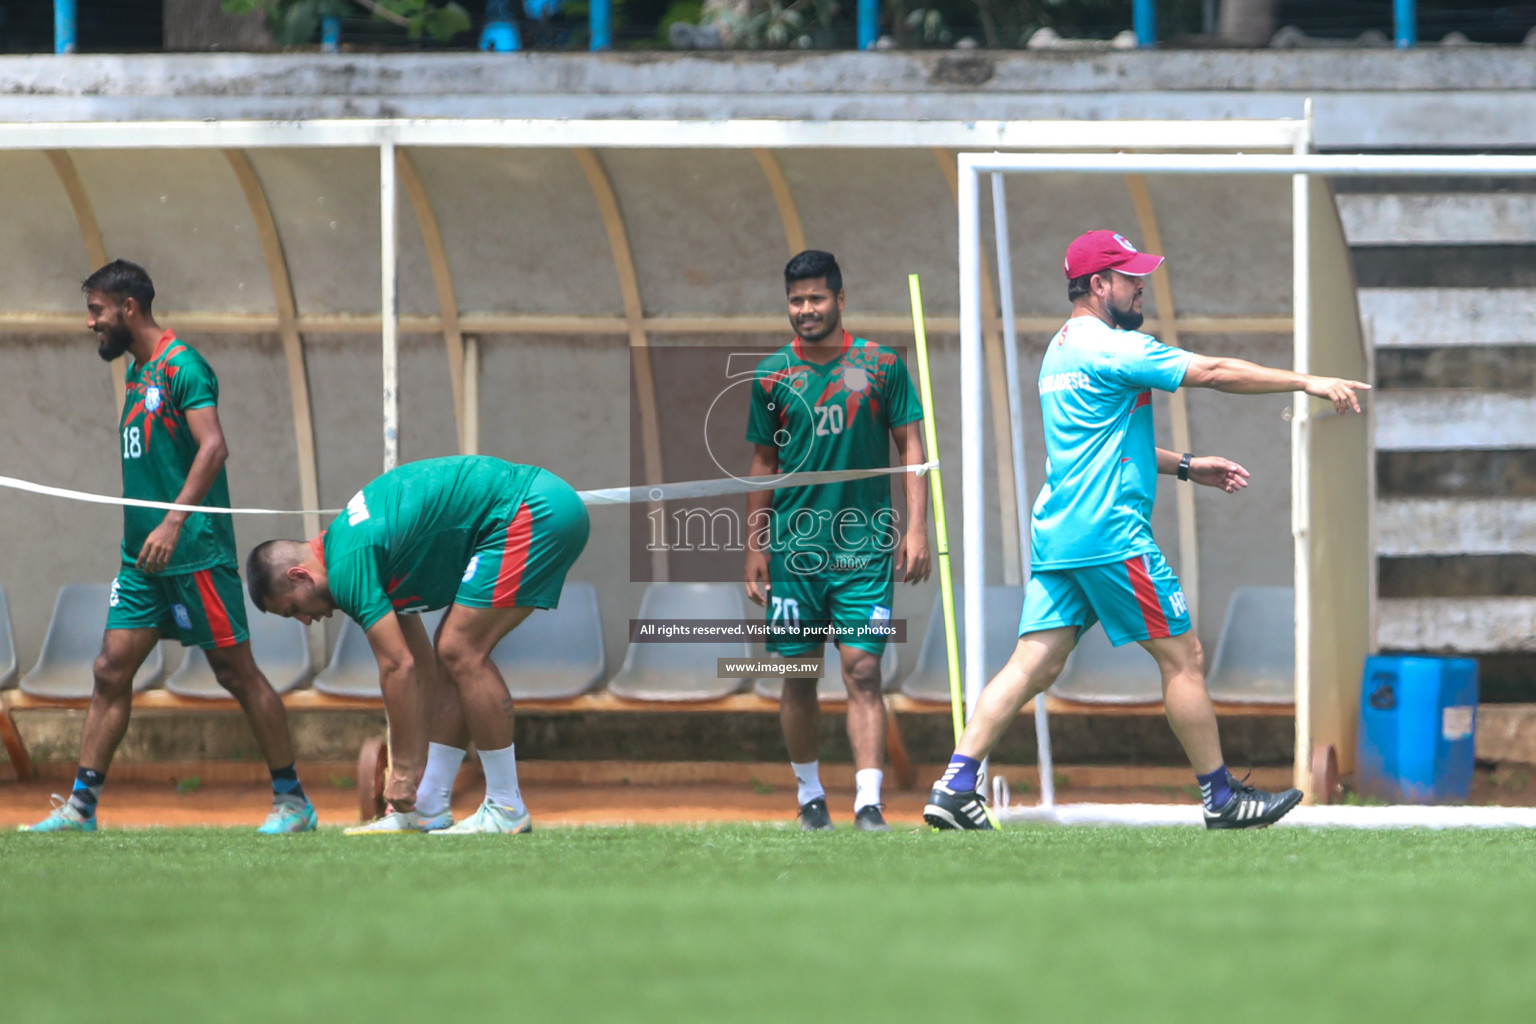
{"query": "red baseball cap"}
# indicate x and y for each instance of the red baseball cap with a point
(1107, 250)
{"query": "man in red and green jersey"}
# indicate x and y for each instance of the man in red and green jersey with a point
(486, 539)
(830, 401)
(178, 575)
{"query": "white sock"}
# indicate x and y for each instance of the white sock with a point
(808, 778)
(501, 778)
(867, 781)
(435, 791)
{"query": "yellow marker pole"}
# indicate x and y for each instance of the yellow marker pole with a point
(931, 438)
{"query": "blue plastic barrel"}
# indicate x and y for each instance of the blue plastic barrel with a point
(1418, 720)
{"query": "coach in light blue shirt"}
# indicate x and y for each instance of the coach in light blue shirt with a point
(1094, 557)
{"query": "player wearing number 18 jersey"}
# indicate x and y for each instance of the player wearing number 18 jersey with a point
(178, 575)
(830, 401)
(1094, 556)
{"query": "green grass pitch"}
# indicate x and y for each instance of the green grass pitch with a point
(761, 924)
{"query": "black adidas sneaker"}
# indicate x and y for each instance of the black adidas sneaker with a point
(814, 816)
(950, 810)
(1250, 807)
(869, 819)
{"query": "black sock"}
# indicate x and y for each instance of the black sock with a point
(285, 785)
(87, 791)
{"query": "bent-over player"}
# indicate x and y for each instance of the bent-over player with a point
(1094, 557)
(179, 575)
(490, 541)
(830, 401)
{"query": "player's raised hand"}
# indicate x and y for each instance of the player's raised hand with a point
(757, 576)
(913, 563)
(1337, 390)
(1215, 471)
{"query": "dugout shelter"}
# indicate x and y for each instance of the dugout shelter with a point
(376, 291)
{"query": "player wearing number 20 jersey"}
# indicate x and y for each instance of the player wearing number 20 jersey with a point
(827, 402)
(831, 543)
(828, 416)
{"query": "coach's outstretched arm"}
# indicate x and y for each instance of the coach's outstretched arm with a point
(1240, 377)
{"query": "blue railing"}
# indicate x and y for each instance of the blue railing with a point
(869, 23)
(501, 35)
(63, 26)
(1144, 21)
(1405, 22)
(602, 24)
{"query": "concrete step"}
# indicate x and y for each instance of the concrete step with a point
(1429, 218)
(1436, 317)
(1454, 419)
(1455, 526)
(1457, 625)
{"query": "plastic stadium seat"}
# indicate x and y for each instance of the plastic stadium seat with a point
(683, 671)
(1099, 673)
(557, 652)
(830, 689)
(353, 671)
(64, 668)
(929, 681)
(7, 645)
(1255, 659)
(280, 647)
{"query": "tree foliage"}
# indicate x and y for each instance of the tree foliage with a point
(295, 22)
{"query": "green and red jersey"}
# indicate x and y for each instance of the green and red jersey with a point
(404, 541)
(830, 416)
(158, 449)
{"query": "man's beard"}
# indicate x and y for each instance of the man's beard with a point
(1126, 319)
(827, 327)
(119, 340)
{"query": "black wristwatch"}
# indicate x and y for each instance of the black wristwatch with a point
(1184, 465)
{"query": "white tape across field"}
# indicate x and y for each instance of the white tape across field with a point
(601, 496)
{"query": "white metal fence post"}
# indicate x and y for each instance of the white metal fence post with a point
(1020, 478)
(389, 302)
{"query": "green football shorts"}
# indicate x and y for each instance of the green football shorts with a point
(521, 560)
(205, 608)
(848, 601)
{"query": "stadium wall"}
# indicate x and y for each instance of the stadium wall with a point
(1427, 98)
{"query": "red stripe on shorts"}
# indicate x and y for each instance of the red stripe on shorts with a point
(514, 558)
(213, 607)
(1146, 596)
